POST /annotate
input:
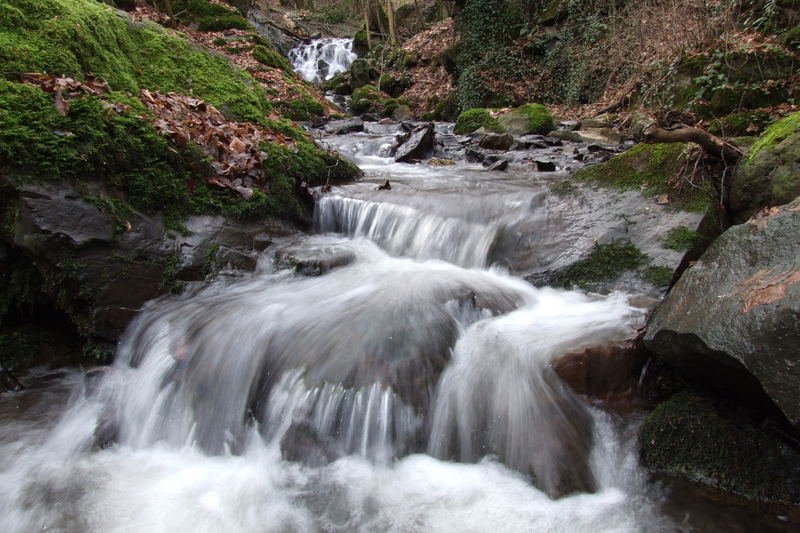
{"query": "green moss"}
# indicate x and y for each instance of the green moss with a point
(564, 189)
(604, 263)
(742, 123)
(658, 275)
(208, 16)
(529, 118)
(681, 238)
(394, 85)
(651, 168)
(304, 109)
(474, 119)
(366, 98)
(271, 58)
(76, 37)
(774, 135)
(692, 437)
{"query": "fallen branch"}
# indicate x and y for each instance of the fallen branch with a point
(715, 146)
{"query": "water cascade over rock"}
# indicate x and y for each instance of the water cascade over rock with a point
(322, 59)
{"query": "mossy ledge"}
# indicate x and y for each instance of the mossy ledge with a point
(474, 119)
(650, 168)
(693, 437)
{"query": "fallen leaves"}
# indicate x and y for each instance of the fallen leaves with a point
(765, 288)
(234, 147)
(64, 88)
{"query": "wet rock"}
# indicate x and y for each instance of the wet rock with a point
(497, 141)
(553, 141)
(608, 372)
(474, 156)
(695, 437)
(501, 164)
(438, 162)
(569, 125)
(348, 125)
(50, 216)
(371, 117)
(545, 166)
(313, 260)
(302, 444)
(572, 136)
(418, 145)
(385, 121)
(732, 320)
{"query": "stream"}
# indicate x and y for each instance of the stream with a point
(407, 388)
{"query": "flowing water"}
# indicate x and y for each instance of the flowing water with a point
(322, 59)
(409, 389)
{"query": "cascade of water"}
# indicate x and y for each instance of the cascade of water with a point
(322, 59)
(405, 231)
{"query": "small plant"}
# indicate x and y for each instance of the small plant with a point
(659, 275)
(681, 238)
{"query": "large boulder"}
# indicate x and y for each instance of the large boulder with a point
(770, 174)
(497, 141)
(733, 319)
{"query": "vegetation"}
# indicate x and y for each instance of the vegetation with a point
(654, 169)
(604, 263)
(681, 238)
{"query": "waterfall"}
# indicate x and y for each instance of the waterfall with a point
(322, 59)
(408, 388)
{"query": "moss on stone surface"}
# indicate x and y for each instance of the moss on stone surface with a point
(681, 238)
(77, 37)
(691, 437)
(649, 167)
(366, 98)
(271, 58)
(774, 135)
(529, 118)
(474, 119)
(604, 263)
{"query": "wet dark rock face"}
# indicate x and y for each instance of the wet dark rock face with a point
(99, 271)
(733, 319)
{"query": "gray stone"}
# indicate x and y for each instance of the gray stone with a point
(733, 319)
(497, 141)
(347, 125)
(501, 164)
(418, 145)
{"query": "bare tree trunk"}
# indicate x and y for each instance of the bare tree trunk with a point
(365, 6)
(715, 146)
(392, 27)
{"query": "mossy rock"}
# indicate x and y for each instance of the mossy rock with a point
(76, 37)
(650, 168)
(271, 58)
(361, 43)
(475, 119)
(692, 437)
(770, 173)
(366, 99)
(208, 16)
(360, 73)
(394, 85)
(528, 119)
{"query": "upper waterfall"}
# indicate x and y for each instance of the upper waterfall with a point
(322, 59)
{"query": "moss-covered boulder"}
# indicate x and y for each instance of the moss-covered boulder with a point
(365, 99)
(394, 84)
(475, 119)
(651, 168)
(692, 437)
(360, 73)
(527, 119)
(770, 173)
